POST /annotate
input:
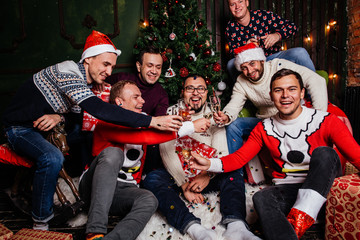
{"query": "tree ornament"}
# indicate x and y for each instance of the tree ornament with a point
(178, 57)
(163, 23)
(207, 43)
(200, 24)
(187, 46)
(216, 67)
(151, 23)
(190, 59)
(184, 72)
(169, 50)
(212, 53)
(207, 52)
(155, 39)
(170, 72)
(157, 6)
(221, 85)
(166, 14)
(172, 36)
(207, 81)
(193, 56)
(164, 57)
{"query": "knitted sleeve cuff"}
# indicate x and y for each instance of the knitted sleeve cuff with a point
(216, 165)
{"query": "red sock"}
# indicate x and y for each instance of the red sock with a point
(300, 221)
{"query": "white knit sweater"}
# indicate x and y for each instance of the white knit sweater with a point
(258, 92)
(217, 140)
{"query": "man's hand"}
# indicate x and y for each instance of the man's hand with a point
(201, 125)
(100, 87)
(192, 197)
(199, 182)
(47, 122)
(221, 118)
(166, 123)
(271, 39)
(198, 162)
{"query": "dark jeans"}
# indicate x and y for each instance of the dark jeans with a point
(232, 197)
(273, 203)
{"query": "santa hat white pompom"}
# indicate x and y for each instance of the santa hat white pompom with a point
(247, 53)
(98, 43)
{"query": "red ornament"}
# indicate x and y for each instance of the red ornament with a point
(163, 23)
(190, 59)
(169, 50)
(207, 52)
(164, 57)
(178, 57)
(200, 24)
(207, 81)
(155, 39)
(216, 67)
(184, 72)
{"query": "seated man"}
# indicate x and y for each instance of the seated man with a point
(253, 84)
(176, 179)
(110, 185)
(303, 164)
(264, 28)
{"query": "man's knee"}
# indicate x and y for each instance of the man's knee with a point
(112, 156)
(154, 179)
(148, 200)
(324, 156)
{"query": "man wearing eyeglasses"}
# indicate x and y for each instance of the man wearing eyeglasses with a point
(167, 184)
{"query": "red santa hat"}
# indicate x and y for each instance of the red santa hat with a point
(98, 43)
(247, 53)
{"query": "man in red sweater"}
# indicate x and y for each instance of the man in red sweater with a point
(303, 165)
(110, 184)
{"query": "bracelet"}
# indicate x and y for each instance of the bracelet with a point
(211, 175)
(62, 118)
(279, 35)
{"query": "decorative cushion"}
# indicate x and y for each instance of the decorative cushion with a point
(89, 121)
(343, 209)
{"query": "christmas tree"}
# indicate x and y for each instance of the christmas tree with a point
(175, 27)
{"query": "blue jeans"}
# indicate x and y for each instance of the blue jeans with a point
(273, 203)
(237, 130)
(297, 55)
(232, 197)
(48, 159)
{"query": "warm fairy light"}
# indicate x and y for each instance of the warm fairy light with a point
(282, 47)
(328, 27)
(332, 23)
(227, 47)
(144, 23)
(308, 39)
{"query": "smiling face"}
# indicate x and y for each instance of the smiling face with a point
(195, 99)
(253, 70)
(99, 67)
(239, 8)
(130, 98)
(150, 68)
(286, 94)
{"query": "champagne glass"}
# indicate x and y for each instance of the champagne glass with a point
(207, 115)
(215, 105)
(184, 111)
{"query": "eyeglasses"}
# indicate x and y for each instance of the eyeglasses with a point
(191, 89)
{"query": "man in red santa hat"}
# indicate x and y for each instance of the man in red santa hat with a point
(45, 101)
